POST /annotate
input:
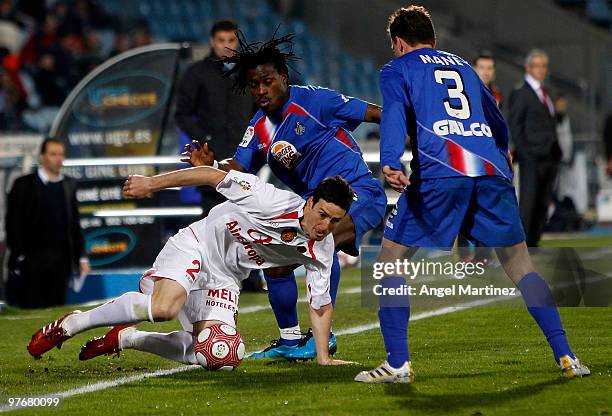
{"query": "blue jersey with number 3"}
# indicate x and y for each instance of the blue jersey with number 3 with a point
(453, 122)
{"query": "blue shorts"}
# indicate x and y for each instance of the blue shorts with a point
(433, 212)
(367, 211)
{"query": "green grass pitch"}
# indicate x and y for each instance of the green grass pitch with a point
(480, 361)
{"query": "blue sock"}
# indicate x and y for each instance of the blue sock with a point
(541, 305)
(283, 296)
(394, 324)
(335, 279)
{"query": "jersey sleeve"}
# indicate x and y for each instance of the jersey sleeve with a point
(494, 118)
(393, 127)
(255, 196)
(247, 153)
(318, 274)
(339, 110)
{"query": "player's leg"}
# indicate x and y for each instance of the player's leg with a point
(427, 214)
(541, 305)
(163, 292)
(496, 222)
(176, 346)
(129, 308)
(202, 309)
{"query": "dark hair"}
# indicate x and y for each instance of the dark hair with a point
(413, 24)
(276, 51)
(43, 146)
(484, 54)
(336, 191)
(225, 25)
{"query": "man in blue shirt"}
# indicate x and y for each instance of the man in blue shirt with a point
(460, 182)
(303, 134)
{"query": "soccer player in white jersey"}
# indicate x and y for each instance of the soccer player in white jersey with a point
(196, 275)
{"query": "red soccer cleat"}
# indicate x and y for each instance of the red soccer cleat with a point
(106, 345)
(49, 336)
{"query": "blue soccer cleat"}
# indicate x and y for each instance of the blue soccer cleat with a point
(306, 350)
(274, 350)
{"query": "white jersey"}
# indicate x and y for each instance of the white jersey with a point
(257, 228)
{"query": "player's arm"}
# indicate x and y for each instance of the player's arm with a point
(321, 308)
(335, 109)
(393, 128)
(496, 121)
(373, 113)
(137, 186)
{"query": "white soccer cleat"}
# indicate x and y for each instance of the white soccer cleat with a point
(384, 373)
(571, 367)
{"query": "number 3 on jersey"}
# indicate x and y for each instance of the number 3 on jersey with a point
(461, 111)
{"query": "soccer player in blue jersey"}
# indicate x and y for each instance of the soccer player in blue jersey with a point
(302, 134)
(460, 182)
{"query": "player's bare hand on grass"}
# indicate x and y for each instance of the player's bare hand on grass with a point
(198, 155)
(137, 186)
(395, 178)
(332, 361)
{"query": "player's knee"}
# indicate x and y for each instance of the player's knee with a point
(282, 271)
(167, 300)
(164, 311)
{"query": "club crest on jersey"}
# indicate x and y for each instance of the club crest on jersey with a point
(299, 128)
(244, 185)
(301, 249)
(248, 136)
(288, 235)
(285, 153)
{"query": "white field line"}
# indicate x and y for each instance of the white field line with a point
(103, 385)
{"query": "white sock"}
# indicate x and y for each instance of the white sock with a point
(176, 346)
(129, 308)
(290, 333)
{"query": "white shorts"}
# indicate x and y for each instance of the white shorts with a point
(207, 299)
(180, 260)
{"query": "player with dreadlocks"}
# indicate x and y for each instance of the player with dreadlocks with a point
(302, 133)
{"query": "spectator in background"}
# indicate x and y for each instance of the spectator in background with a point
(484, 65)
(121, 43)
(50, 81)
(141, 35)
(208, 109)
(607, 137)
(533, 127)
(43, 233)
(9, 103)
(44, 38)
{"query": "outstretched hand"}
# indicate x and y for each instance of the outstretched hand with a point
(137, 186)
(333, 361)
(198, 155)
(395, 178)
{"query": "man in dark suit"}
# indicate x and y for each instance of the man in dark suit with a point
(207, 108)
(532, 125)
(43, 233)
